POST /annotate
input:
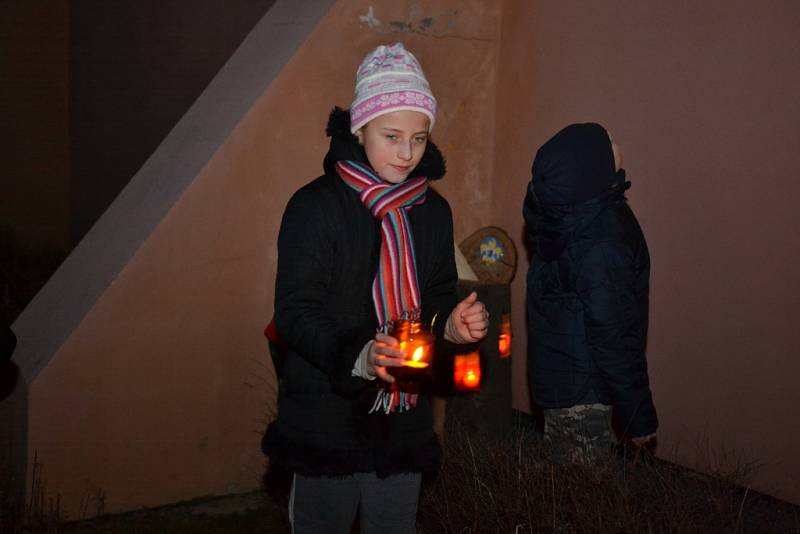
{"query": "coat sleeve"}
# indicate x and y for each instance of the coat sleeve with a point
(616, 331)
(303, 302)
(439, 293)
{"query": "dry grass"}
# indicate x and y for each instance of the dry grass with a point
(512, 485)
(515, 485)
(36, 514)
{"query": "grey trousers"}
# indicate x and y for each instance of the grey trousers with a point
(329, 505)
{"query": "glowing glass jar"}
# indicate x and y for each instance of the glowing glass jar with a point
(467, 372)
(504, 340)
(416, 342)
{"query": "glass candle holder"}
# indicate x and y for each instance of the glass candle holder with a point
(467, 372)
(504, 340)
(416, 342)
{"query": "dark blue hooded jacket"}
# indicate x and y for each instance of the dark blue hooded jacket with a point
(588, 282)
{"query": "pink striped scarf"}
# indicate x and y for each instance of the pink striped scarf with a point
(395, 290)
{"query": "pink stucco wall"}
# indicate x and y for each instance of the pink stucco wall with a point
(161, 392)
(703, 100)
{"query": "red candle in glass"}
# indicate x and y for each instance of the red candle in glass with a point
(467, 371)
(504, 341)
(417, 344)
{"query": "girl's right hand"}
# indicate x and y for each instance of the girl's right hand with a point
(382, 354)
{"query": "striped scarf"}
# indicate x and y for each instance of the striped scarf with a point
(395, 291)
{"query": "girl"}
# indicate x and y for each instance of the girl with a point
(364, 245)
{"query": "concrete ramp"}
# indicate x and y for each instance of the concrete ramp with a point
(110, 403)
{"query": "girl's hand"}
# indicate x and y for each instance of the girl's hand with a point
(382, 354)
(469, 321)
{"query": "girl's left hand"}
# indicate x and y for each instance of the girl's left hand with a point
(469, 321)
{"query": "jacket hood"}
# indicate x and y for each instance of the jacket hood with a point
(573, 181)
(345, 146)
(575, 165)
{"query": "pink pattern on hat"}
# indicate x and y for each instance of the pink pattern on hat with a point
(390, 79)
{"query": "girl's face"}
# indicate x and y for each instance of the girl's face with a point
(394, 143)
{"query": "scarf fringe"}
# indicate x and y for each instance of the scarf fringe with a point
(394, 401)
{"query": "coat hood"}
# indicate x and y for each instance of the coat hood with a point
(345, 146)
(575, 165)
(573, 181)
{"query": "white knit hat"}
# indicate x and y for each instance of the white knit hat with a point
(390, 79)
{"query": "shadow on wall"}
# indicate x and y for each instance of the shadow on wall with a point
(9, 372)
(23, 272)
(135, 69)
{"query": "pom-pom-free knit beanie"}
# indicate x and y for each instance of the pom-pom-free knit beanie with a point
(390, 79)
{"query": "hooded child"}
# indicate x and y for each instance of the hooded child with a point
(587, 296)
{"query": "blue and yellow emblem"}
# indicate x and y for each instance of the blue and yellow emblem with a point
(491, 250)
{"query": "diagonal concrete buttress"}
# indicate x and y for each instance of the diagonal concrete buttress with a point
(47, 328)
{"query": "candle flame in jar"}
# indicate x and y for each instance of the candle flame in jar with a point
(471, 379)
(467, 371)
(416, 344)
(504, 345)
(504, 341)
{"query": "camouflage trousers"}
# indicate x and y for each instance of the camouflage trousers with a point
(579, 433)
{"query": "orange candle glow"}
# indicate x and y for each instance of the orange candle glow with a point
(504, 341)
(467, 371)
(418, 358)
(504, 345)
(417, 344)
(472, 379)
(417, 353)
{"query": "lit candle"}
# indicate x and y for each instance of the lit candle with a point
(417, 344)
(416, 350)
(467, 371)
(504, 341)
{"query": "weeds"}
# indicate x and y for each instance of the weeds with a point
(511, 485)
(37, 514)
(518, 485)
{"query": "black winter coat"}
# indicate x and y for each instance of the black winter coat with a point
(587, 288)
(329, 247)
